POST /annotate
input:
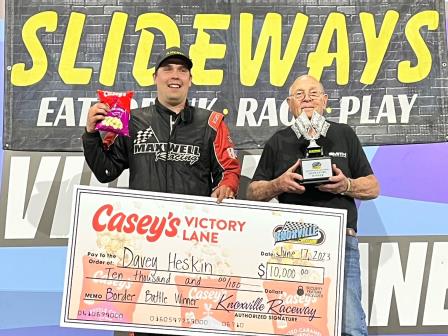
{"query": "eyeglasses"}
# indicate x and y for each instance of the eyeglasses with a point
(300, 95)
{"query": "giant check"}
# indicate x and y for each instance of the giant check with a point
(184, 265)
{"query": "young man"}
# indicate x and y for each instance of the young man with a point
(277, 176)
(173, 147)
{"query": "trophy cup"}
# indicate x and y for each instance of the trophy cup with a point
(315, 167)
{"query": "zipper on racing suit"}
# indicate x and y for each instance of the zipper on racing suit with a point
(173, 124)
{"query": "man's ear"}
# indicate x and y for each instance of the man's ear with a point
(325, 100)
(288, 100)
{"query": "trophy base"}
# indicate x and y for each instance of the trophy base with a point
(316, 170)
(315, 181)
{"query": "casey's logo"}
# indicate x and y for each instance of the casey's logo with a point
(152, 226)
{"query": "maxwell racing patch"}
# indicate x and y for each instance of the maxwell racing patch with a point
(147, 142)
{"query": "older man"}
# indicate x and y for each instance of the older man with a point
(173, 147)
(277, 176)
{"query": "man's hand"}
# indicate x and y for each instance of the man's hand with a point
(267, 190)
(222, 192)
(338, 182)
(364, 187)
(96, 113)
(288, 181)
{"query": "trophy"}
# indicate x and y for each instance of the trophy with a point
(315, 167)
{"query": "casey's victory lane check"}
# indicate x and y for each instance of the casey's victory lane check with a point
(185, 265)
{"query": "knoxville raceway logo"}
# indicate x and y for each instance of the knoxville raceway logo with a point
(299, 233)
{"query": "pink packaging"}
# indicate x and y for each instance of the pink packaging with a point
(117, 120)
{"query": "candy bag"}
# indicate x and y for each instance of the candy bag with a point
(117, 120)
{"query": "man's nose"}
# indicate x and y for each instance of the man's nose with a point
(307, 97)
(177, 73)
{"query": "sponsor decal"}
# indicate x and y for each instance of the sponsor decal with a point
(338, 154)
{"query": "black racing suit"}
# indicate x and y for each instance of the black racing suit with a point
(186, 153)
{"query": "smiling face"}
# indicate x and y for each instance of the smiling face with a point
(307, 94)
(173, 80)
